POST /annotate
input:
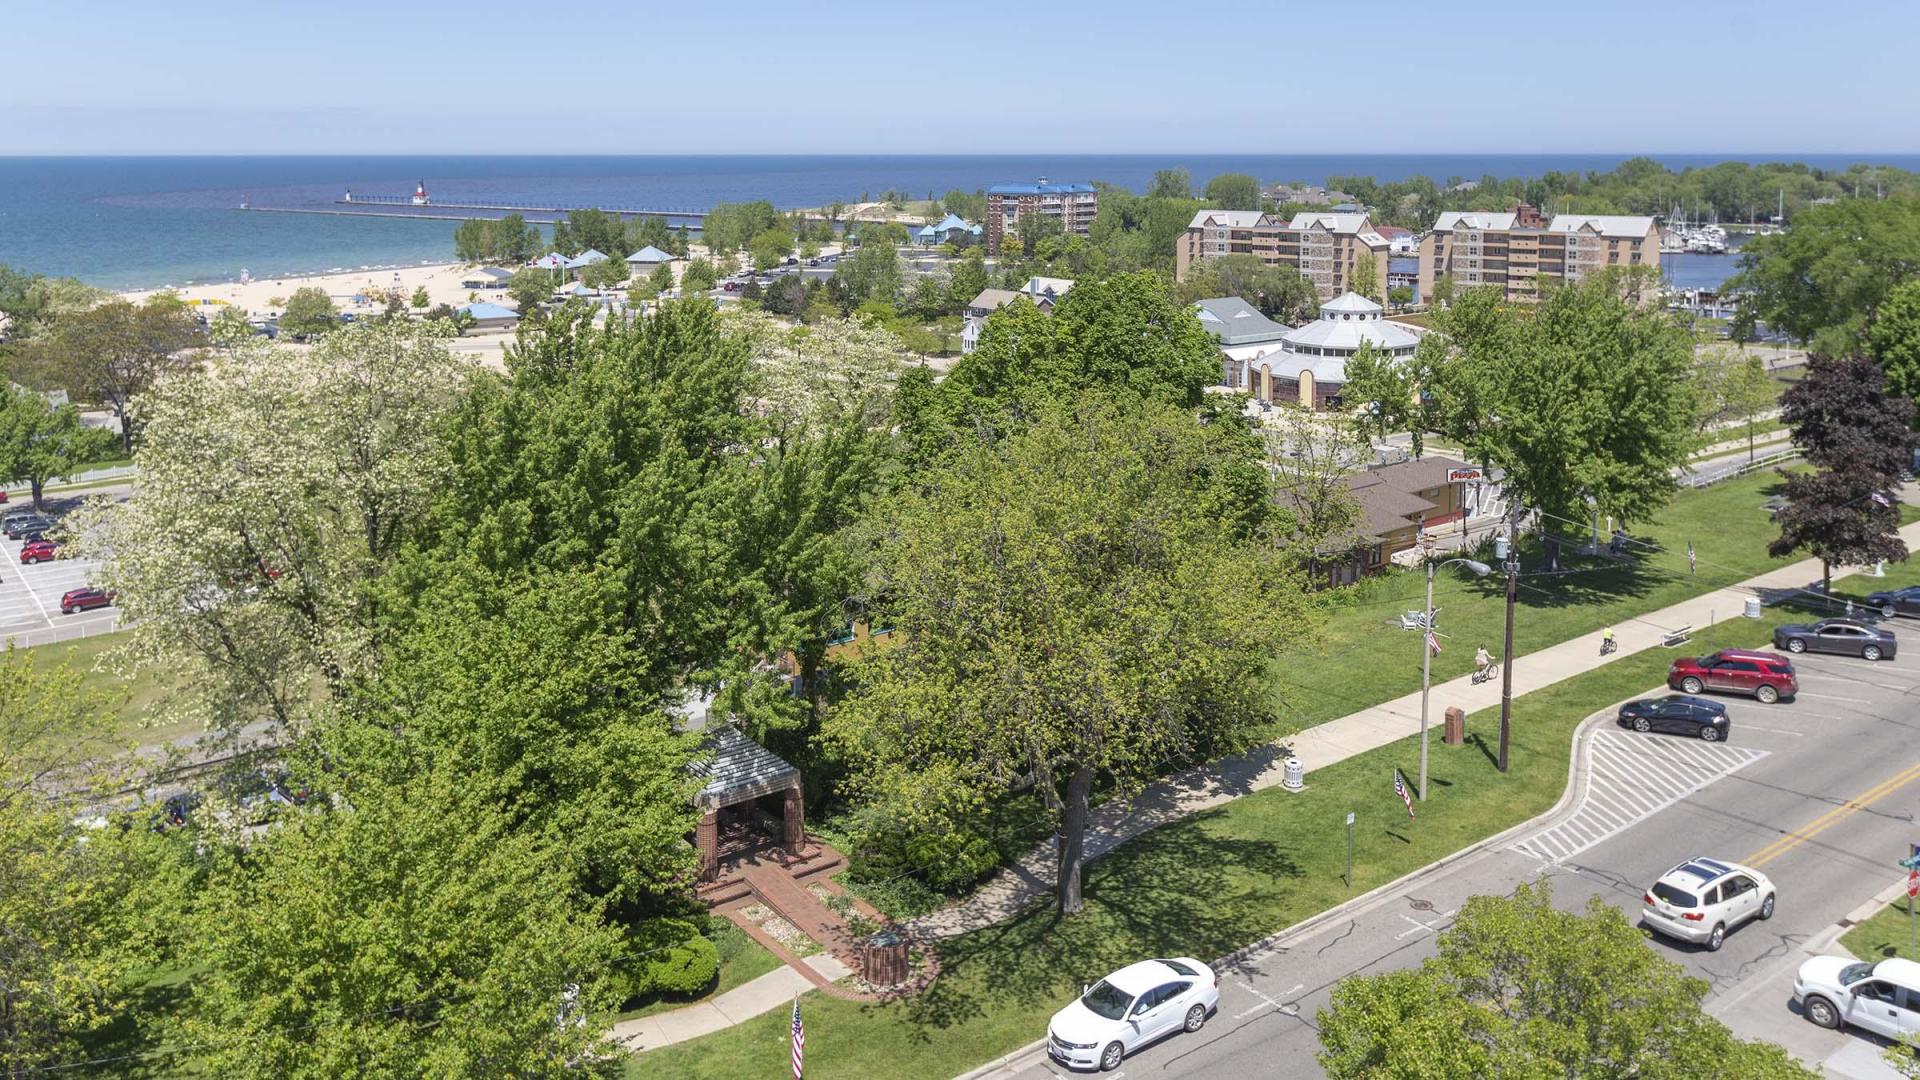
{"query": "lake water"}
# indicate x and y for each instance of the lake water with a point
(134, 222)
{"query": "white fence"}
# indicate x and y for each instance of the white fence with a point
(1713, 474)
(26, 639)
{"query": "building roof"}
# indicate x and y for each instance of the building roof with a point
(585, 258)
(1039, 286)
(486, 273)
(1233, 321)
(993, 299)
(1392, 232)
(1332, 222)
(552, 260)
(1349, 303)
(573, 288)
(1624, 226)
(736, 769)
(1232, 219)
(649, 254)
(489, 311)
(1417, 474)
(1384, 509)
(1042, 188)
(1473, 219)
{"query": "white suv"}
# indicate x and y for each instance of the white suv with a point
(1883, 998)
(1701, 899)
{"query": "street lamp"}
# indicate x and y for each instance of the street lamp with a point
(1479, 569)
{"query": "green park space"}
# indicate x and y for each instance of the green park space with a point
(1360, 657)
(131, 699)
(1201, 886)
(1889, 933)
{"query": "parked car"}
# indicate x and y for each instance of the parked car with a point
(84, 600)
(1678, 714)
(1891, 602)
(39, 551)
(1883, 998)
(1764, 675)
(25, 523)
(1701, 899)
(1843, 636)
(1139, 1004)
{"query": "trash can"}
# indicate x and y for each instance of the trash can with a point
(883, 957)
(1456, 726)
(1294, 777)
(1753, 607)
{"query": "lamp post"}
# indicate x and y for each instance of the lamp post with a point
(1479, 569)
(1512, 568)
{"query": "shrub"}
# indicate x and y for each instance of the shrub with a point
(670, 958)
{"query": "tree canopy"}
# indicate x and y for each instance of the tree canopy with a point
(1824, 280)
(1520, 988)
(1234, 191)
(1585, 400)
(113, 352)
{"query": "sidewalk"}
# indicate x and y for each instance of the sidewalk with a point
(776, 989)
(1119, 820)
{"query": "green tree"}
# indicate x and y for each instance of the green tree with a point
(1381, 392)
(699, 278)
(1279, 292)
(1030, 231)
(966, 205)
(530, 288)
(1583, 396)
(1137, 643)
(81, 910)
(587, 230)
(39, 441)
(114, 352)
(1859, 439)
(309, 313)
(229, 327)
(1522, 989)
(1175, 183)
(421, 301)
(604, 275)
(1824, 279)
(1400, 296)
(1894, 341)
(870, 272)
(1733, 387)
(968, 280)
(770, 247)
(1366, 276)
(649, 231)
(275, 485)
(662, 279)
(31, 304)
(1234, 191)
(730, 227)
(509, 240)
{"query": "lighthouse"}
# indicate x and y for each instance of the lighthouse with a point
(420, 194)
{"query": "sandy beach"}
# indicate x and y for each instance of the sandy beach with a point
(263, 298)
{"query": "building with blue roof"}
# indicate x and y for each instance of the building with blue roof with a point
(491, 316)
(1073, 205)
(644, 260)
(948, 230)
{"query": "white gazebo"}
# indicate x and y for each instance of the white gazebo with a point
(1310, 365)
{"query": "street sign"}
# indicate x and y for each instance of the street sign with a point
(1912, 862)
(1913, 884)
(1464, 476)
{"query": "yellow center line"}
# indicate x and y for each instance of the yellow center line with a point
(1833, 817)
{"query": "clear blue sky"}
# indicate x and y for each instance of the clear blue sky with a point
(854, 76)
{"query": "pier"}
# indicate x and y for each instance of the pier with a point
(415, 202)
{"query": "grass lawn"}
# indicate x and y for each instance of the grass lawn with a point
(131, 698)
(1261, 863)
(1888, 933)
(741, 960)
(1361, 657)
(137, 1030)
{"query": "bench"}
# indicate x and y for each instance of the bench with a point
(1677, 637)
(1415, 620)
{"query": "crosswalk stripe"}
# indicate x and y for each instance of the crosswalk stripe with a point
(1627, 778)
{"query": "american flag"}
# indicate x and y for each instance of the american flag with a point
(1400, 789)
(1433, 642)
(799, 1040)
(1880, 499)
(1693, 561)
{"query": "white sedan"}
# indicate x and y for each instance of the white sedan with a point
(1130, 1008)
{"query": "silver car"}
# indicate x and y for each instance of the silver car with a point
(1701, 899)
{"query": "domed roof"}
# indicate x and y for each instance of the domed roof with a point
(1350, 302)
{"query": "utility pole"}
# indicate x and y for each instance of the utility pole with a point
(1506, 659)
(1426, 676)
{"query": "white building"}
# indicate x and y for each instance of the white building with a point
(1308, 365)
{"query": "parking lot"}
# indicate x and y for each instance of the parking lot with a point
(30, 595)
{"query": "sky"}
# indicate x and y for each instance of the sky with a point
(853, 76)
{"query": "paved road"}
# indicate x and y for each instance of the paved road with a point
(30, 594)
(1779, 795)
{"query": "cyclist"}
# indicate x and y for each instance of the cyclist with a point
(1482, 662)
(1607, 643)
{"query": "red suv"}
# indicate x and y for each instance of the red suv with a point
(1767, 676)
(84, 600)
(39, 551)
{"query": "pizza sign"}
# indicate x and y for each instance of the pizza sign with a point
(1464, 476)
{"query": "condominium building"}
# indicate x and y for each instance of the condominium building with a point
(1325, 247)
(1514, 250)
(1073, 204)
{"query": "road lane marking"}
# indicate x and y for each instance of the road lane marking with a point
(1833, 817)
(1265, 1001)
(1772, 730)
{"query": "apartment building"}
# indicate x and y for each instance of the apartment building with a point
(1073, 204)
(1515, 250)
(1325, 247)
